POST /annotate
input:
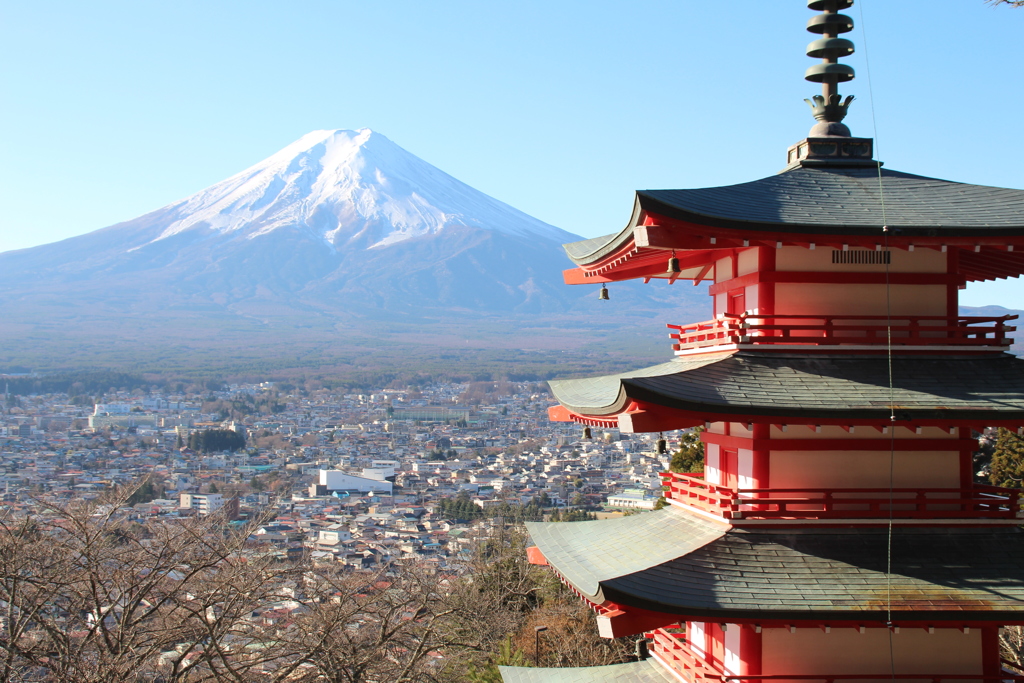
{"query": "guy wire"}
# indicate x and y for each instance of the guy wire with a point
(888, 348)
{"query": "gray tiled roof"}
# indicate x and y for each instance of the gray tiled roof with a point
(940, 574)
(839, 574)
(831, 201)
(606, 391)
(630, 544)
(848, 199)
(925, 387)
(647, 671)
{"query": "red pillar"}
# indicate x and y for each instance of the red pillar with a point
(761, 473)
(952, 289)
(991, 661)
(766, 290)
(750, 652)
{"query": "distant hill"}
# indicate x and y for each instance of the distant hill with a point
(997, 311)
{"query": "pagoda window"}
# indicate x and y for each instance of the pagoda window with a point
(798, 259)
(862, 257)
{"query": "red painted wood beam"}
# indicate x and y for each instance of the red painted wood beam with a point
(788, 277)
(559, 413)
(578, 276)
(651, 418)
(630, 621)
(686, 231)
(826, 444)
(643, 417)
(636, 264)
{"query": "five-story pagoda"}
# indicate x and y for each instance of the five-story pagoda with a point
(836, 533)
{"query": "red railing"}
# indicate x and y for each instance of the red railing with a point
(848, 330)
(674, 650)
(980, 502)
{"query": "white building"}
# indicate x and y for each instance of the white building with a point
(379, 473)
(111, 409)
(632, 498)
(203, 503)
(336, 480)
(333, 535)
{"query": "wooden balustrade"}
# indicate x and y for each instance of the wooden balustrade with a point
(674, 650)
(980, 502)
(968, 332)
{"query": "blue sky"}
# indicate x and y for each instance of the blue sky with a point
(112, 109)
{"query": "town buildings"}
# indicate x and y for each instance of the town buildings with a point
(381, 477)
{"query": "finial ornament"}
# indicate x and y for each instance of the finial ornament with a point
(829, 108)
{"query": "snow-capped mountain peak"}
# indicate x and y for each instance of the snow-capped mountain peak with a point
(350, 189)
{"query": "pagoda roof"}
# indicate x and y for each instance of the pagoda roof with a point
(642, 541)
(827, 201)
(645, 671)
(832, 574)
(812, 386)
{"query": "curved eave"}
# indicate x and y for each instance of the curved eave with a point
(586, 554)
(606, 395)
(926, 388)
(804, 205)
(645, 671)
(847, 201)
(836, 574)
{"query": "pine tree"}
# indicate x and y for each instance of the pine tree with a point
(690, 456)
(1007, 468)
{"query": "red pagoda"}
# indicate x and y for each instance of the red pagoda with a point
(836, 533)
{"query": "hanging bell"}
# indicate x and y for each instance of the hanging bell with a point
(587, 434)
(603, 295)
(662, 445)
(673, 264)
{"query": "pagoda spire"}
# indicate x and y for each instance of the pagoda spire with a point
(829, 108)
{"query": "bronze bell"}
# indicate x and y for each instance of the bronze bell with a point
(587, 433)
(603, 295)
(662, 446)
(673, 264)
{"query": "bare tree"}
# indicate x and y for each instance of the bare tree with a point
(92, 595)
(89, 593)
(1011, 645)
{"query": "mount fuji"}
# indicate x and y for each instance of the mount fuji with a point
(338, 231)
(336, 214)
(349, 189)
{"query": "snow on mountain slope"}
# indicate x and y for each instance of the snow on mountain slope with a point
(349, 189)
(340, 225)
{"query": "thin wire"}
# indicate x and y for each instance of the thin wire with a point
(888, 349)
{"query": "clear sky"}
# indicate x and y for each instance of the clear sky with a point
(111, 108)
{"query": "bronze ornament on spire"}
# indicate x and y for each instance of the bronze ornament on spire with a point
(829, 108)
